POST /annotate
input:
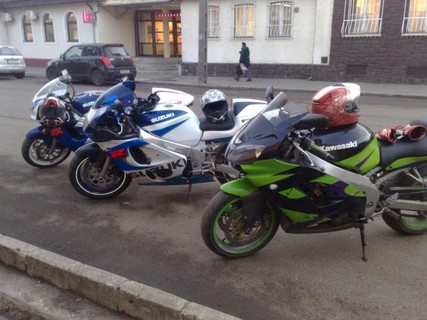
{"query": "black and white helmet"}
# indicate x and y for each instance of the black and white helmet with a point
(214, 105)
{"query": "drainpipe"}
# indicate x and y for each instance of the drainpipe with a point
(94, 22)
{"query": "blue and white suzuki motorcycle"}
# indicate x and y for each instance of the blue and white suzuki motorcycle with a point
(59, 133)
(153, 142)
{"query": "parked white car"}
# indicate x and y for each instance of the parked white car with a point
(12, 62)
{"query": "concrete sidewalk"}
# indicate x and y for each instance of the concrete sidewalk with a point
(71, 290)
(378, 89)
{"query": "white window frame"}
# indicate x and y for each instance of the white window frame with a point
(415, 18)
(361, 19)
(213, 21)
(280, 17)
(244, 20)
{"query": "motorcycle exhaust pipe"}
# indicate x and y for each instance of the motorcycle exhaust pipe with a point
(411, 205)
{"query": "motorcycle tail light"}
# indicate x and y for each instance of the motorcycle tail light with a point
(118, 154)
(56, 132)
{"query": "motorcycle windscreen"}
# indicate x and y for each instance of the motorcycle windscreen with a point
(123, 91)
(268, 129)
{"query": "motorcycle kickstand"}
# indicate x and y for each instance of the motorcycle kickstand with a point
(361, 226)
(189, 191)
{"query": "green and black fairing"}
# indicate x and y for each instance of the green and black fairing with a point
(354, 146)
(310, 199)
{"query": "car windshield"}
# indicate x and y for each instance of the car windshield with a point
(9, 51)
(115, 51)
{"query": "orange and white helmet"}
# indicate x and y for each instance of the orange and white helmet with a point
(339, 103)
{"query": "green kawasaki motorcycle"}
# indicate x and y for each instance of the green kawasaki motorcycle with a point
(308, 176)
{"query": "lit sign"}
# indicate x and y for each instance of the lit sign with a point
(89, 16)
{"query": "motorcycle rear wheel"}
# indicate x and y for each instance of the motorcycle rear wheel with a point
(223, 228)
(84, 175)
(409, 222)
(35, 152)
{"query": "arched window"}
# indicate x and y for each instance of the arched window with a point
(27, 29)
(49, 32)
(72, 31)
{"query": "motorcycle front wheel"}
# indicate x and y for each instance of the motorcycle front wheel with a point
(410, 222)
(37, 152)
(85, 176)
(223, 228)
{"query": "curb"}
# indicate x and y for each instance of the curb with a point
(104, 288)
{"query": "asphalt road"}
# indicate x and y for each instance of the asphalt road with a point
(151, 235)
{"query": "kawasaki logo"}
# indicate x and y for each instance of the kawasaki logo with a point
(348, 145)
(163, 117)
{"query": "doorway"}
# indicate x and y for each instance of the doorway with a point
(158, 33)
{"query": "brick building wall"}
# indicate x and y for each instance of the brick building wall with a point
(387, 58)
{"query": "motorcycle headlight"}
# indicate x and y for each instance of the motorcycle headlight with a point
(245, 154)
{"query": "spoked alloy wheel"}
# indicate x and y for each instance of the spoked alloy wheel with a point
(223, 228)
(37, 152)
(410, 222)
(85, 176)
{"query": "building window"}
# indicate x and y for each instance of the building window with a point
(213, 22)
(49, 33)
(27, 29)
(72, 31)
(415, 19)
(362, 18)
(244, 20)
(280, 19)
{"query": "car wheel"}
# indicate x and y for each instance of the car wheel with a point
(20, 75)
(97, 77)
(52, 73)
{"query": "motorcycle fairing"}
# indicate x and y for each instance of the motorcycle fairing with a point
(402, 153)
(66, 139)
(83, 101)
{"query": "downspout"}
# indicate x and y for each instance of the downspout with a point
(94, 22)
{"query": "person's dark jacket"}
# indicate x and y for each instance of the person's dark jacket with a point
(244, 57)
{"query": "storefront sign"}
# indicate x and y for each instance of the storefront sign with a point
(127, 2)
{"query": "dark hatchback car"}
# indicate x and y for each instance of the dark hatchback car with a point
(97, 63)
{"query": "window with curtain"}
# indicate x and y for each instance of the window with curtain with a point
(280, 19)
(362, 18)
(49, 33)
(244, 20)
(213, 22)
(72, 31)
(415, 19)
(27, 29)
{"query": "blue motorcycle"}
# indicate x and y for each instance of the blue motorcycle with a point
(61, 123)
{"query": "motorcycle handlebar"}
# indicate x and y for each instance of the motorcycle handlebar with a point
(308, 144)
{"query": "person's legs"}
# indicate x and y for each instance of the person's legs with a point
(248, 74)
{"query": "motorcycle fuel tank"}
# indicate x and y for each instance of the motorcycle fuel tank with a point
(353, 146)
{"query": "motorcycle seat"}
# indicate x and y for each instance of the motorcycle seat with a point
(227, 124)
(402, 148)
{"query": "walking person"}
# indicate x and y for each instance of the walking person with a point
(244, 63)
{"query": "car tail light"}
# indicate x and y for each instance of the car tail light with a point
(131, 61)
(106, 61)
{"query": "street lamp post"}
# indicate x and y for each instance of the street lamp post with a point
(202, 69)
